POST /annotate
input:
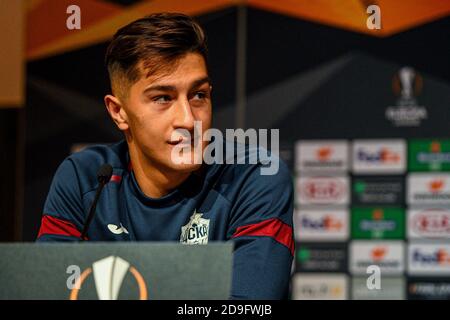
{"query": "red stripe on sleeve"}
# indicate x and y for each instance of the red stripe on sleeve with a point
(115, 178)
(55, 226)
(274, 228)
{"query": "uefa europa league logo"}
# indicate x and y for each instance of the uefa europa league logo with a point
(109, 274)
(406, 76)
(407, 83)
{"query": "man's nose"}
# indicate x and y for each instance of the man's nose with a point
(184, 118)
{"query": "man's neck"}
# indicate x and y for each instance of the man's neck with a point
(154, 182)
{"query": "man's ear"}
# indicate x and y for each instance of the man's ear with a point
(116, 111)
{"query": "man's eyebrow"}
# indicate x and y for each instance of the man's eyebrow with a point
(160, 88)
(195, 84)
(199, 82)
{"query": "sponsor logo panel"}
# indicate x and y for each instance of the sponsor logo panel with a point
(388, 255)
(319, 286)
(429, 155)
(428, 288)
(391, 289)
(372, 190)
(322, 155)
(378, 223)
(429, 223)
(428, 189)
(322, 190)
(379, 156)
(321, 257)
(429, 259)
(321, 225)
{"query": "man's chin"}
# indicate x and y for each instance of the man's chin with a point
(185, 167)
(186, 161)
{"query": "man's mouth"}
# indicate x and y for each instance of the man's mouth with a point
(181, 141)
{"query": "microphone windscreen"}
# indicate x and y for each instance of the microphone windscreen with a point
(104, 173)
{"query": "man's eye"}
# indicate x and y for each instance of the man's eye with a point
(199, 95)
(162, 99)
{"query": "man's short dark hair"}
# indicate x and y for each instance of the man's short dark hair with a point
(149, 44)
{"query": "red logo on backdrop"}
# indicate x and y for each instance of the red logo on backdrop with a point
(330, 223)
(436, 186)
(387, 155)
(435, 147)
(324, 153)
(378, 214)
(443, 257)
(323, 190)
(378, 253)
(432, 223)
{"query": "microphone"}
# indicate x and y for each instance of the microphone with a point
(103, 176)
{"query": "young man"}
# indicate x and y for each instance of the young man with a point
(160, 87)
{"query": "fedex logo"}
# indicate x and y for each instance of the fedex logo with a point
(325, 223)
(384, 155)
(379, 156)
(321, 225)
(429, 258)
(438, 257)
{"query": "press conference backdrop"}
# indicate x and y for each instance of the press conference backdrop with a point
(363, 118)
(382, 202)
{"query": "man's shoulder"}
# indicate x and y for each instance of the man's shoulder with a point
(260, 192)
(258, 163)
(253, 167)
(86, 162)
(94, 156)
